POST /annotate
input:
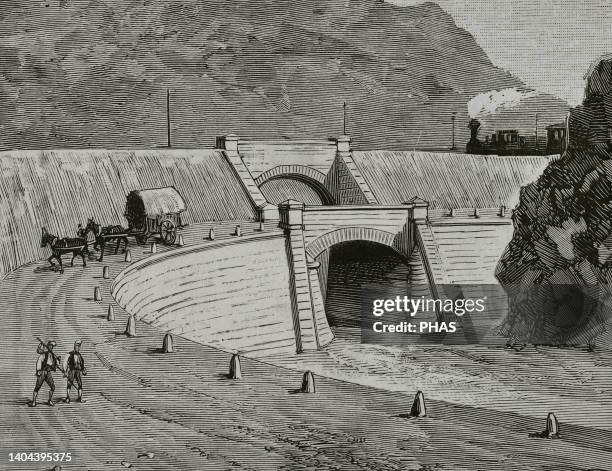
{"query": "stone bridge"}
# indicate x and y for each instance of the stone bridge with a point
(311, 230)
(455, 239)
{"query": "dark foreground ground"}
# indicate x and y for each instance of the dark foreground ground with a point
(146, 410)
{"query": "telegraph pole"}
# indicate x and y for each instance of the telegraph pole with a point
(168, 115)
(344, 119)
(453, 121)
(536, 134)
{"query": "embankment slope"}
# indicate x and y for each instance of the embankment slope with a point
(448, 180)
(60, 189)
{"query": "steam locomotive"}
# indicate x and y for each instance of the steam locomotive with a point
(511, 142)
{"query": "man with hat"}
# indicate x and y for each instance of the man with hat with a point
(74, 367)
(46, 364)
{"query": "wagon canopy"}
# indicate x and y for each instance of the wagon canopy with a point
(154, 202)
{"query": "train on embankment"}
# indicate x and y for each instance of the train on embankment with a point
(513, 142)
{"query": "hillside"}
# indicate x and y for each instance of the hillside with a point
(85, 73)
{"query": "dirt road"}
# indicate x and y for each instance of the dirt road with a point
(155, 411)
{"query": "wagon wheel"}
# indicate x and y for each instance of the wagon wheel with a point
(167, 229)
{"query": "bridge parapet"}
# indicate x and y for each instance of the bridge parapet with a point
(500, 213)
(389, 225)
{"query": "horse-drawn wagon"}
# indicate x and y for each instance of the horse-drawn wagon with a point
(151, 212)
(155, 212)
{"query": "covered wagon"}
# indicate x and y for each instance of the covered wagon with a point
(155, 212)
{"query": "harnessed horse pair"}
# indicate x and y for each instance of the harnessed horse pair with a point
(89, 236)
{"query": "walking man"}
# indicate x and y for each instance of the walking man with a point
(46, 364)
(74, 367)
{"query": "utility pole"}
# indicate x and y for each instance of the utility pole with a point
(168, 115)
(453, 121)
(567, 136)
(536, 134)
(344, 119)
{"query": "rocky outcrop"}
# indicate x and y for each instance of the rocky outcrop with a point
(557, 270)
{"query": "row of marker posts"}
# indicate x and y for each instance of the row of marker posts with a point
(235, 370)
(168, 342)
(237, 230)
(476, 212)
(417, 410)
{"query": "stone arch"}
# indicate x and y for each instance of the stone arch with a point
(346, 234)
(308, 175)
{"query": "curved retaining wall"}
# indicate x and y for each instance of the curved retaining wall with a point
(231, 294)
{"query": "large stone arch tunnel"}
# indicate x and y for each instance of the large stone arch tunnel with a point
(351, 269)
(333, 250)
(356, 260)
(313, 232)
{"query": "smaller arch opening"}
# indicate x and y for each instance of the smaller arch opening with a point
(295, 187)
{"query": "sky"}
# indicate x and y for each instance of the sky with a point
(549, 44)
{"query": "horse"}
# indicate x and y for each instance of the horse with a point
(74, 245)
(90, 234)
(105, 234)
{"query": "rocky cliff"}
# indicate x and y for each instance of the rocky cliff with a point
(558, 267)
